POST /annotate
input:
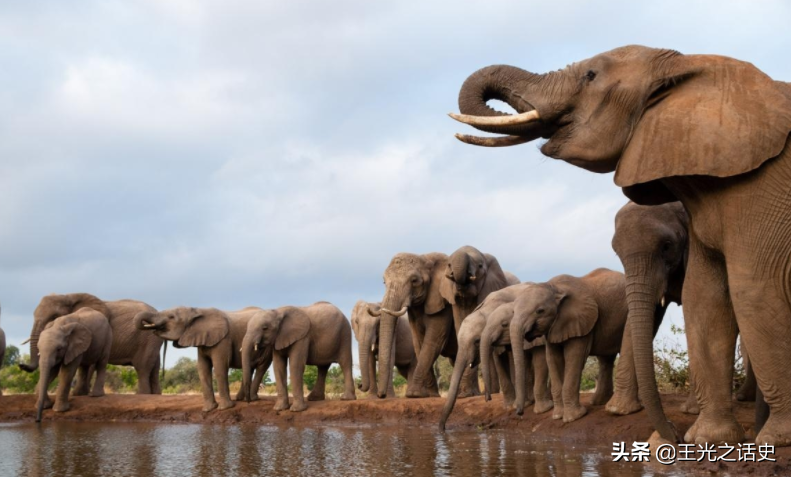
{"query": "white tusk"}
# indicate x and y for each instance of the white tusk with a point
(473, 278)
(662, 302)
(25, 342)
(502, 141)
(395, 313)
(510, 120)
(373, 348)
(149, 325)
(256, 346)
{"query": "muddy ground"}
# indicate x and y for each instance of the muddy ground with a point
(472, 413)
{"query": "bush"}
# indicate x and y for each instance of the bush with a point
(182, 378)
(15, 381)
(589, 374)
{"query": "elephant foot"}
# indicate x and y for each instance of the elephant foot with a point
(622, 405)
(61, 406)
(416, 393)
(315, 396)
(281, 405)
(373, 395)
(97, 393)
(240, 397)
(79, 392)
(572, 413)
(352, 397)
(48, 403)
(600, 399)
(254, 397)
(226, 405)
(433, 393)
(720, 430)
(209, 406)
(298, 407)
(776, 431)
(744, 396)
(557, 411)
(690, 406)
(543, 406)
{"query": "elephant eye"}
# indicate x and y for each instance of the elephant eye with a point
(590, 75)
(666, 246)
(505, 323)
(540, 311)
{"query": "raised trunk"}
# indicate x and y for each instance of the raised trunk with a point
(387, 323)
(459, 265)
(517, 336)
(486, 355)
(364, 348)
(641, 296)
(463, 359)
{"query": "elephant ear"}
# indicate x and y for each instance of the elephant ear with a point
(294, 326)
(577, 310)
(78, 338)
(495, 278)
(710, 116)
(438, 289)
(205, 327)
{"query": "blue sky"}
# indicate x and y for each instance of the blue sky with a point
(232, 153)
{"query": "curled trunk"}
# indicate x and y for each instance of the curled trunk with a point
(459, 264)
(33, 364)
(462, 361)
(517, 336)
(641, 298)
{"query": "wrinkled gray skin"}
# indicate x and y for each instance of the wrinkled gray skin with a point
(317, 335)
(218, 336)
(130, 346)
(366, 330)
(480, 333)
(579, 317)
(78, 340)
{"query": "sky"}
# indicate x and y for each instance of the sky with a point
(244, 153)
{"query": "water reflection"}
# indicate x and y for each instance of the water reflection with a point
(93, 449)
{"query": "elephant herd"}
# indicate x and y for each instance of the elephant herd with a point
(701, 146)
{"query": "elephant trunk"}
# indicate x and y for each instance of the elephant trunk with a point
(459, 265)
(34, 352)
(517, 336)
(393, 300)
(642, 297)
(43, 381)
(463, 359)
(486, 356)
(146, 320)
(247, 367)
(365, 348)
(504, 83)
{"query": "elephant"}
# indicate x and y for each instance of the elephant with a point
(482, 330)
(218, 336)
(80, 339)
(579, 317)
(366, 330)
(130, 346)
(318, 335)
(713, 133)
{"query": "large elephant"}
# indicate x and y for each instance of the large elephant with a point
(78, 340)
(713, 133)
(317, 335)
(218, 336)
(580, 317)
(130, 346)
(365, 326)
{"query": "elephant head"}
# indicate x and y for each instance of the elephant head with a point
(52, 307)
(560, 309)
(647, 114)
(411, 281)
(472, 275)
(186, 326)
(60, 343)
(269, 331)
(365, 326)
(651, 242)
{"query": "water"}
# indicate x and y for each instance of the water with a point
(137, 449)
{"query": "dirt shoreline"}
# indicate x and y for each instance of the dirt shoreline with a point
(472, 413)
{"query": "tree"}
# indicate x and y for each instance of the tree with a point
(11, 356)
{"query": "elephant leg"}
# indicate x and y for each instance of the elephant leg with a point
(296, 367)
(258, 378)
(747, 391)
(604, 391)
(82, 386)
(761, 410)
(469, 383)
(317, 393)
(575, 353)
(764, 320)
(390, 390)
(144, 371)
(98, 384)
(626, 399)
(373, 389)
(223, 386)
(48, 403)
(541, 392)
(207, 388)
(154, 387)
(65, 378)
(711, 340)
(556, 366)
(690, 406)
(503, 367)
(433, 342)
(279, 364)
(346, 362)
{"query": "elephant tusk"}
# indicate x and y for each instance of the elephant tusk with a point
(502, 141)
(373, 348)
(398, 313)
(25, 342)
(473, 278)
(510, 120)
(662, 302)
(256, 346)
(149, 325)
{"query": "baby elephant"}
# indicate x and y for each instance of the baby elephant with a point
(318, 335)
(366, 330)
(78, 340)
(579, 317)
